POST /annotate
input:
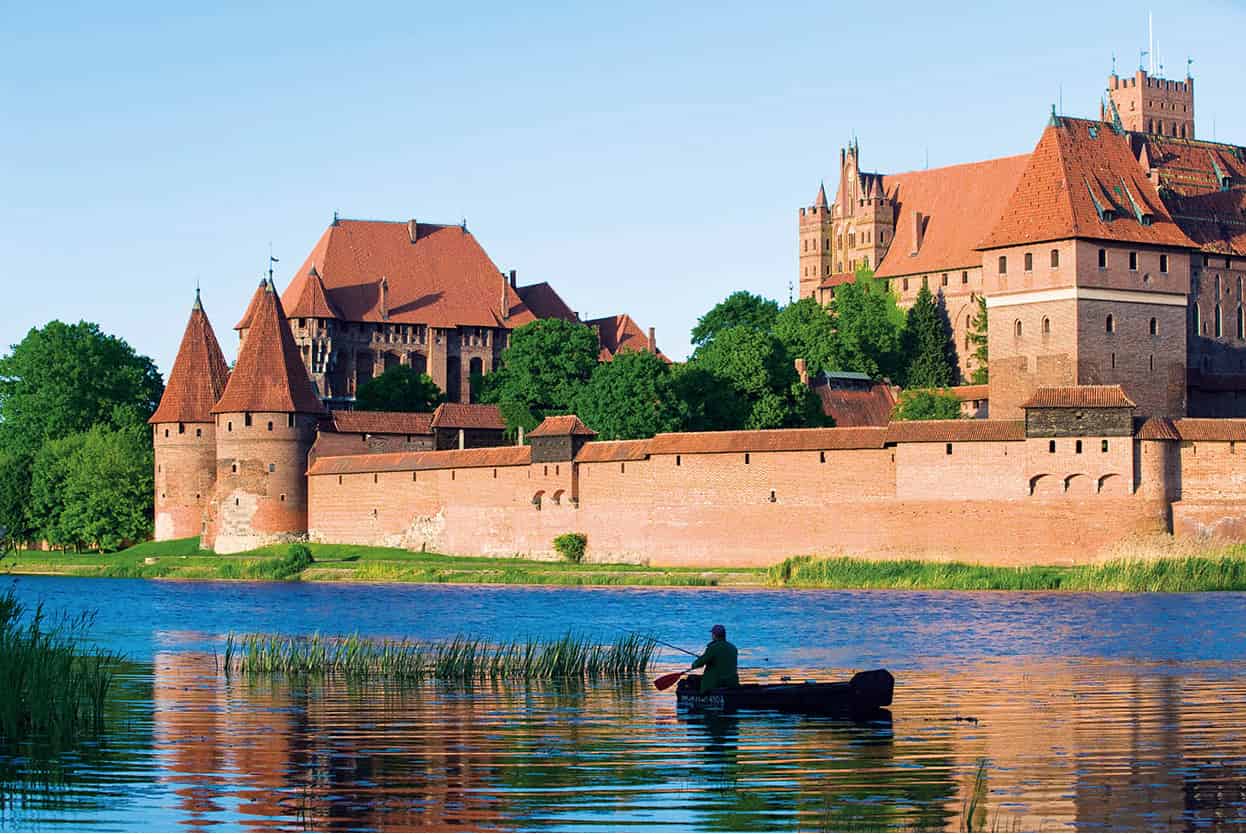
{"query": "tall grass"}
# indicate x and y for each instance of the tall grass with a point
(461, 659)
(1178, 575)
(52, 688)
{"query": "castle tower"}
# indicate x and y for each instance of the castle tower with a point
(816, 252)
(265, 425)
(1147, 104)
(183, 431)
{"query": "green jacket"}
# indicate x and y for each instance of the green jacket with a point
(719, 661)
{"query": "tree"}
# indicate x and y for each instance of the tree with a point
(867, 334)
(544, 368)
(631, 397)
(978, 336)
(740, 309)
(928, 345)
(399, 388)
(807, 332)
(14, 498)
(927, 404)
(744, 378)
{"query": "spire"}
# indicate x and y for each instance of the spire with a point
(269, 374)
(245, 321)
(198, 305)
(820, 200)
(313, 300)
(198, 376)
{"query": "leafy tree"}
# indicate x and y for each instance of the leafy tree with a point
(867, 335)
(749, 382)
(807, 332)
(544, 368)
(399, 388)
(928, 345)
(740, 309)
(978, 336)
(927, 404)
(15, 497)
(49, 478)
(65, 379)
(631, 397)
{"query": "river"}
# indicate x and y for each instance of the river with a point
(1013, 711)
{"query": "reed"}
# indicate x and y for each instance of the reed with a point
(52, 688)
(462, 659)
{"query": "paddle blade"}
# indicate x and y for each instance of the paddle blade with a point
(667, 681)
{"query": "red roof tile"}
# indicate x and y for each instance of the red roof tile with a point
(832, 281)
(1157, 428)
(313, 302)
(381, 422)
(561, 426)
(444, 279)
(269, 374)
(1079, 396)
(606, 451)
(409, 461)
(467, 416)
(767, 440)
(1079, 171)
(959, 206)
(955, 431)
(1193, 429)
(969, 393)
(544, 303)
(857, 408)
(198, 377)
(1203, 184)
(249, 313)
(620, 333)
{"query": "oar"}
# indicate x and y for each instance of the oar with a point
(667, 681)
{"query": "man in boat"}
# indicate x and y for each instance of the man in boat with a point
(719, 660)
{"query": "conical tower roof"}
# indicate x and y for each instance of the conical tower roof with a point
(199, 374)
(245, 321)
(820, 200)
(269, 374)
(314, 302)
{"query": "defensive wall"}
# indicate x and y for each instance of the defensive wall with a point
(985, 491)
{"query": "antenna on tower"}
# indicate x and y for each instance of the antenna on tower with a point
(1150, 28)
(1188, 63)
(1114, 62)
(271, 261)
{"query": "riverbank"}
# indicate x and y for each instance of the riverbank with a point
(182, 559)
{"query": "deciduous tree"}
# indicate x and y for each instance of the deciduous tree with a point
(867, 336)
(807, 332)
(632, 396)
(980, 374)
(399, 388)
(740, 309)
(927, 404)
(544, 368)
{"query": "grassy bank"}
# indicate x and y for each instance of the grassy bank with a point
(182, 559)
(1223, 569)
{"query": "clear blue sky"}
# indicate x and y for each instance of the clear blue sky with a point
(646, 158)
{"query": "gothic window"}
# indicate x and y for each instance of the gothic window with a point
(1133, 261)
(1241, 323)
(1163, 263)
(1154, 327)
(1110, 324)
(1029, 261)
(1016, 328)
(1046, 326)
(1055, 258)
(1219, 323)
(1217, 286)
(1198, 320)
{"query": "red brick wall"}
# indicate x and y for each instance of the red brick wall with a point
(185, 477)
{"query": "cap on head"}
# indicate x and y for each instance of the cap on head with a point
(719, 631)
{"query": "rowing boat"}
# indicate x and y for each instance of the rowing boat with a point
(866, 693)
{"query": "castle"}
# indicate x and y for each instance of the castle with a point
(1113, 253)
(1109, 259)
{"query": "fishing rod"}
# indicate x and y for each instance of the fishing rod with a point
(659, 642)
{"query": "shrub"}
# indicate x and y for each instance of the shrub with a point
(299, 557)
(927, 404)
(571, 546)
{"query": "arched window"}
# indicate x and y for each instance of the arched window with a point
(1219, 323)
(1017, 328)
(1198, 319)
(1154, 327)
(1055, 258)
(1241, 323)
(1110, 324)
(1046, 326)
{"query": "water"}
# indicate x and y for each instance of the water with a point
(1086, 712)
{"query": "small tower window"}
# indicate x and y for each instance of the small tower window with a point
(1016, 328)
(1046, 326)
(229, 426)
(1110, 324)
(1077, 447)
(166, 432)
(964, 277)
(1105, 447)
(290, 421)
(678, 460)
(272, 467)
(1029, 261)
(233, 467)
(1133, 261)
(198, 432)
(1103, 259)
(746, 458)
(947, 449)
(1154, 326)
(1051, 446)
(270, 425)
(1003, 264)
(246, 419)
(1055, 258)
(1219, 323)
(1163, 263)
(181, 428)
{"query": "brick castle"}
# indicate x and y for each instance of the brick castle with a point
(1110, 258)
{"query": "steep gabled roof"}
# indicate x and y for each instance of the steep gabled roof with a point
(313, 302)
(1083, 181)
(443, 279)
(620, 333)
(959, 206)
(199, 374)
(854, 407)
(561, 426)
(467, 416)
(543, 302)
(1203, 185)
(269, 374)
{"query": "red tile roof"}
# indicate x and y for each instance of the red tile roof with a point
(1079, 396)
(1079, 171)
(955, 431)
(198, 377)
(313, 302)
(249, 313)
(467, 416)
(1193, 429)
(444, 279)
(409, 461)
(767, 440)
(269, 374)
(381, 422)
(544, 303)
(1191, 175)
(832, 281)
(969, 393)
(561, 426)
(620, 333)
(1157, 428)
(606, 451)
(857, 408)
(959, 206)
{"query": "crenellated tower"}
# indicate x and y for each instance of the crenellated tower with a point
(816, 255)
(184, 433)
(1150, 104)
(265, 425)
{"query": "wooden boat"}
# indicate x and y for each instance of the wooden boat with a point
(866, 694)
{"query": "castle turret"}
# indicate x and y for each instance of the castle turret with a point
(1149, 104)
(815, 244)
(265, 425)
(183, 431)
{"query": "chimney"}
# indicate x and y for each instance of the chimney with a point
(384, 298)
(413, 230)
(802, 370)
(512, 278)
(653, 345)
(918, 226)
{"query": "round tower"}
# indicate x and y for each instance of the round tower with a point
(184, 432)
(265, 424)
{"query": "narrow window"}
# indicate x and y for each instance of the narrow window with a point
(1003, 264)
(1103, 259)
(545, 471)
(181, 428)
(678, 460)
(495, 474)
(622, 467)
(964, 277)
(1046, 326)
(1241, 323)
(339, 480)
(821, 457)
(1154, 326)
(945, 279)
(1078, 447)
(1163, 263)
(413, 477)
(272, 467)
(270, 425)
(1051, 446)
(290, 421)
(235, 502)
(772, 497)
(1029, 261)
(452, 473)
(1133, 261)
(925, 282)
(246, 419)
(1219, 323)
(746, 457)
(1152, 361)
(1105, 447)
(948, 449)
(1017, 328)
(1113, 360)
(1055, 258)
(166, 432)
(233, 467)
(376, 479)
(1110, 324)
(229, 426)
(905, 284)
(198, 432)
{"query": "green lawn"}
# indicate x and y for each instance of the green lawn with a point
(182, 559)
